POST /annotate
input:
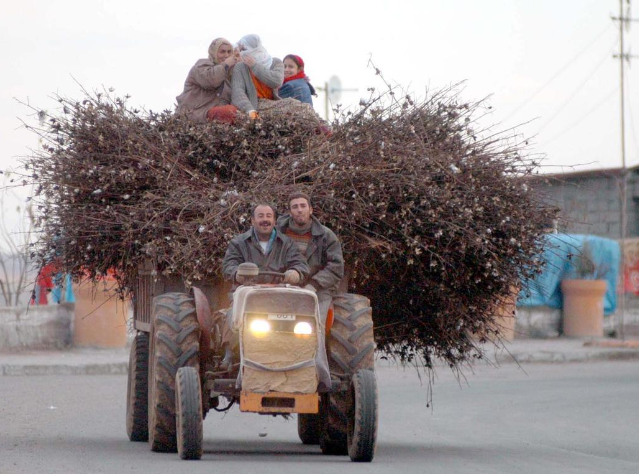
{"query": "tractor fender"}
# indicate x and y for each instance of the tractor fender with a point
(204, 318)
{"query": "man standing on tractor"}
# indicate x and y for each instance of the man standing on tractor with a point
(318, 244)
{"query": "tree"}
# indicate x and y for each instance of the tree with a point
(16, 232)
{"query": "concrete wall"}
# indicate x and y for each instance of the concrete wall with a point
(36, 327)
(591, 205)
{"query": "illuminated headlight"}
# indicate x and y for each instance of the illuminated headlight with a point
(303, 328)
(260, 326)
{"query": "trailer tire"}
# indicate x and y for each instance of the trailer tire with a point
(175, 343)
(351, 347)
(137, 393)
(188, 406)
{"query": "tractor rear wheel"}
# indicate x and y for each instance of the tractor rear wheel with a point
(137, 393)
(351, 347)
(188, 406)
(308, 428)
(175, 343)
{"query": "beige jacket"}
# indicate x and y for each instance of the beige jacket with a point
(207, 85)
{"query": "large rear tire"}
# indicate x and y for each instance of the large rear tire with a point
(188, 405)
(137, 393)
(309, 428)
(175, 343)
(351, 347)
(362, 417)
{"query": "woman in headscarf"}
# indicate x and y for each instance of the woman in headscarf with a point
(297, 85)
(207, 89)
(257, 76)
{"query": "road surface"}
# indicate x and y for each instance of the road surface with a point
(557, 418)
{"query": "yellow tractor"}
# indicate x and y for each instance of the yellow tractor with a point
(287, 361)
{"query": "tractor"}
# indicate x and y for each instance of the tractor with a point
(178, 371)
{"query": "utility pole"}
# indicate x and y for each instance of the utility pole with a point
(332, 93)
(624, 22)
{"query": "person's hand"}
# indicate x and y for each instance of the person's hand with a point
(310, 287)
(292, 277)
(248, 60)
(231, 60)
(253, 114)
(240, 279)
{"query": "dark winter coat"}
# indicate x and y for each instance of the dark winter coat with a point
(283, 255)
(323, 255)
(297, 89)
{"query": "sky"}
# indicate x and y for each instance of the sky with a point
(546, 66)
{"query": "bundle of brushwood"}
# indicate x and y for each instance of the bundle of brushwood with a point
(435, 216)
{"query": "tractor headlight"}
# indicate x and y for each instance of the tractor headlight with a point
(260, 326)
(303, 328)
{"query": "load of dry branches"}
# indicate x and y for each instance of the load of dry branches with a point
(435, 217)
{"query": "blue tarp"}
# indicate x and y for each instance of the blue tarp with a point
(545, 288)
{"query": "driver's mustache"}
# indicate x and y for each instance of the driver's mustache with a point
(265, 222)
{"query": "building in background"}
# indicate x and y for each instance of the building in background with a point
(590, 203)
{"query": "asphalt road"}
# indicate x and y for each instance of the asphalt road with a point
(558, 418)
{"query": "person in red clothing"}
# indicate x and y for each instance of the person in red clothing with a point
(296, 85)
(44, 284)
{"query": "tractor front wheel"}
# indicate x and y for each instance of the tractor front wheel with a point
(362, 417)
(188, 406)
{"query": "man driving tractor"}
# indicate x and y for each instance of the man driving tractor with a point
(270, 250)
(266, 247)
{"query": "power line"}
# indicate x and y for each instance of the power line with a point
(576, 91)
(583, 117)
(559, 72)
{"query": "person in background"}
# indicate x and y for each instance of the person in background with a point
(256, 77)
(207, 89)
(296, 83)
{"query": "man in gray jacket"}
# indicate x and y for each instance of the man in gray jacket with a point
(266, 247)
(318, 244)
(270, 250)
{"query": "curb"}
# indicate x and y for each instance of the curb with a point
(544, 357)
(499, 357)
(117, 368)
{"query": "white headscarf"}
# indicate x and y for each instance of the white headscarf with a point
(253, 48)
